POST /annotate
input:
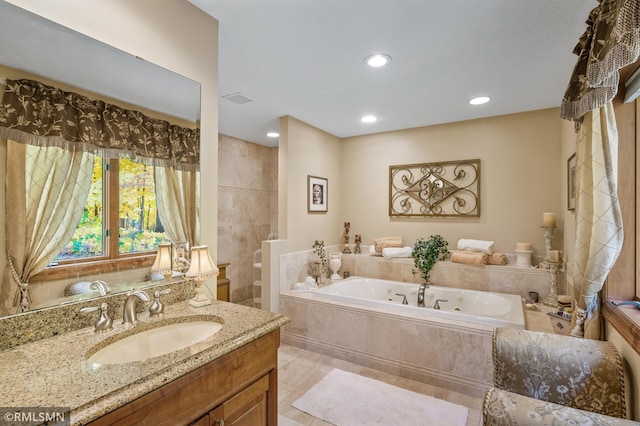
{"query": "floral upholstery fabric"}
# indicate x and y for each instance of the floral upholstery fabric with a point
(502, 408)
(579, 373)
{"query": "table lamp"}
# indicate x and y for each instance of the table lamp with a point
(162, 263)
(200, 269)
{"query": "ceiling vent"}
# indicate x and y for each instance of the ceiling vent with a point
(238, 98)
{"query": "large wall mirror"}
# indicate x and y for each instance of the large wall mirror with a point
(35, 48)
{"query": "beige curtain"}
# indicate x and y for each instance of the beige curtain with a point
(177, 193)
(46, 191)
(610, 42)
(599, 232)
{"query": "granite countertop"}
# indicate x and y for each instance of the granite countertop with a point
(54, 372)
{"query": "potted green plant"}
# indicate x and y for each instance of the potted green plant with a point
(426, 253)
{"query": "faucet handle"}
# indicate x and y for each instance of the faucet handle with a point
(437, 304)
(404, 298)
(158, 293)
(157, 307)
(104, 322)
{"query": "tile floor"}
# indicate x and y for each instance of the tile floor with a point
(299, 370)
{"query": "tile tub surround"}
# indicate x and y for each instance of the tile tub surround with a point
(499, 279)
(54, 372)
(449, 354)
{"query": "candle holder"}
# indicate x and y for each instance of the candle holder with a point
(524, 258)
(552, 297)
(548, 236)
(346, 248)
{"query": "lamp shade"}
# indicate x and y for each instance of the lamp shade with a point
(201, 266)
(163, 258)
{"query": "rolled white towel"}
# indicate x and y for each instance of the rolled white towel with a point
(476, 245)
(373, 252)
(390, 252)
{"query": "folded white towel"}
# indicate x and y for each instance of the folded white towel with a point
(476, 245)
(391, 252)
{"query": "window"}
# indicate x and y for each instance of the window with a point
(120, 217)
(623, 283)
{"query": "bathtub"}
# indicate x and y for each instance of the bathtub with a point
(471, 306)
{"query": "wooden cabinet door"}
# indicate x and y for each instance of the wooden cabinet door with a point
(202, 421)
(247, 408)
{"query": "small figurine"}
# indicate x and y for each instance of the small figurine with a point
(346, 248)
(358, 240)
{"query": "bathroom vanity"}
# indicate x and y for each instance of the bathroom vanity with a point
(228, 378)
(239, 388)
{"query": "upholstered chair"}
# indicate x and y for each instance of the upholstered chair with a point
(543, 378)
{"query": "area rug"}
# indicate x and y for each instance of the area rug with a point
(347, 399)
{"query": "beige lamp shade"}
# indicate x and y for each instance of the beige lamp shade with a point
(163, 258)
(201, 266)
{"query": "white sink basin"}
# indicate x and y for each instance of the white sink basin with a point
(155, 342)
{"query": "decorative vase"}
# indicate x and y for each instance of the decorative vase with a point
(335, 262)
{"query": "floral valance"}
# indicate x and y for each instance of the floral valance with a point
(610, 42)
(34, 113)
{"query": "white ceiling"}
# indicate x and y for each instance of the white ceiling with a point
(303, 58)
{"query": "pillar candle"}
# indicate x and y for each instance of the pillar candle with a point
(555, 255)
(549, 220)
(524, 246)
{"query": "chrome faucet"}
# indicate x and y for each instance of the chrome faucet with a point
(129, 316)
(104, 322)
(102, 287)
(437, 304)
(423, 287)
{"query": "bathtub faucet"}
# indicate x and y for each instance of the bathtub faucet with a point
(423, 287)
(437, 304)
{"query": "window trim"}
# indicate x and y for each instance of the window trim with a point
(628, 326)
(85, 268)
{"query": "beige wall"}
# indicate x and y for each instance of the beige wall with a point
(245, 195)
(305, 150)
(520, 179)
(568, 147)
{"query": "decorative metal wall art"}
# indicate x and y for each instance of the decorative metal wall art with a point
(446, 189)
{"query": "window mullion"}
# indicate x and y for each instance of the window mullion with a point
(112, 200)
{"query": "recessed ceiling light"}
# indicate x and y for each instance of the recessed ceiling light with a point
(369, 119)
(480, 100)
(273, 134)
(377, 60)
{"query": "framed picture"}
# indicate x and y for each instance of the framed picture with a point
(317, 194)
(571, 182)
